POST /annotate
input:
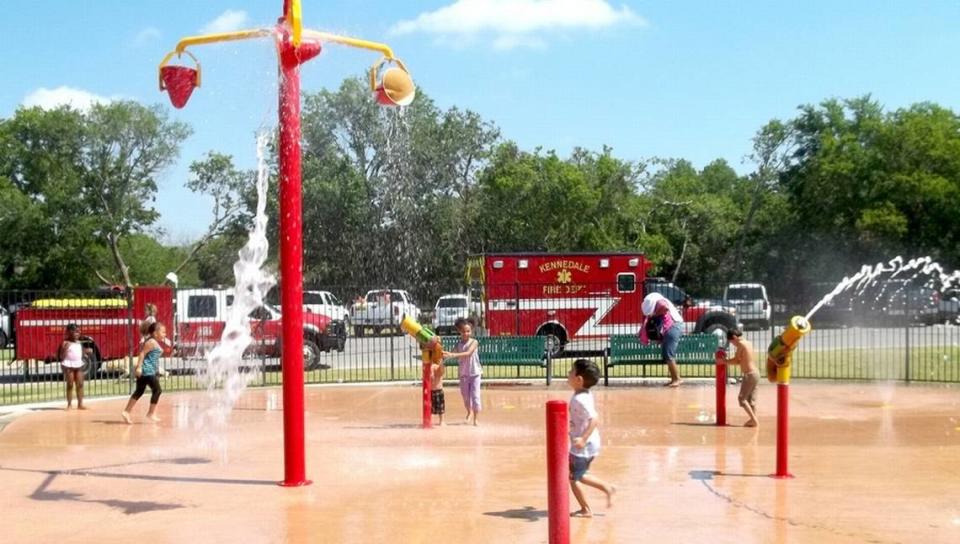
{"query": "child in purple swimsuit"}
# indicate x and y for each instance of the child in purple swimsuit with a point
(470, 370)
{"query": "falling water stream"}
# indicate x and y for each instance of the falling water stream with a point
(224, 377)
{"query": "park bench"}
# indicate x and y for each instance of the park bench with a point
(515, 351)
(626, 349)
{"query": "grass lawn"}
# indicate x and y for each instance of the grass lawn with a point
(940, 364)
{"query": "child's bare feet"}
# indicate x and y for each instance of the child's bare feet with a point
(752, 423)
(610, 493)
(81, 407)
(126, 417)
(582, 513)
(69, 407)
(673, 383)
(155, 419)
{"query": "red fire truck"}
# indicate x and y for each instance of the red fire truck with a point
(110, 327)
(569, 297)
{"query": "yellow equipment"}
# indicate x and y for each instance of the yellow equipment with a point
(780, 352)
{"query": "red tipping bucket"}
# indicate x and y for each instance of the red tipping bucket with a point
(179, 82)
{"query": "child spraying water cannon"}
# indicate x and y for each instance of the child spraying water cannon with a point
(431, 351)
(428, 340)
(780, 352)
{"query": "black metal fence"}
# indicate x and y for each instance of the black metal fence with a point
(911, 338)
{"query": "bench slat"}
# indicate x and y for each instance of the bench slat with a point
(504, 350)
(692, 349)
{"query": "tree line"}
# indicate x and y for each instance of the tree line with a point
(401, 197)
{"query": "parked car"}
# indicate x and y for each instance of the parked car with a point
(703, 315)
(895, 303)
(751, 302)
(948, 306)
(201, 316)
(382, 309)
(5, 330)
(326, 303)
(834, 313)
(448, 309)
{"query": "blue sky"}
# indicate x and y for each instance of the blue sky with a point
(671, 79)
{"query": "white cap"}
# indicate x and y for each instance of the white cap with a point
(650, 303)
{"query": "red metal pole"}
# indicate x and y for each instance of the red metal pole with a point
(783, 430)
(721, 373)
(558, 472)
(291, 270)
(426, 419)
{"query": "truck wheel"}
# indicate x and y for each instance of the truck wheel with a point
(311, 355)
(3, 340)
(717, 329)
(556, 339)
(91, 366)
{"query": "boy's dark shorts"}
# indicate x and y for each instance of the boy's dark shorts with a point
(579, 466)
(437, 404)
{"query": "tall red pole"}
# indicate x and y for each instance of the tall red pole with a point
(426, 418)
(558, 473)
(783, 430)
(721, 374)
(291, 259)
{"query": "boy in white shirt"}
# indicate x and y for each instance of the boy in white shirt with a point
(584, 435)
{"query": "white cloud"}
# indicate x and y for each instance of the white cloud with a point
(228, 21)
(49, 99)
(516, 23)
(145, 36)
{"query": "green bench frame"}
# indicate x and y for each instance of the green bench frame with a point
(507, 351)
(626, 349)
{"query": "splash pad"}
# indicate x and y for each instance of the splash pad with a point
(869, 471)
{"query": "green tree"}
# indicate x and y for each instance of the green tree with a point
(127, 145)
(386, 191)
(230, 189)
(47, 229)
(864, 184)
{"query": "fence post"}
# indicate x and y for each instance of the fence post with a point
(721, 386)
(906, 362)
(133, 324)
(549, 368)
(391, 357)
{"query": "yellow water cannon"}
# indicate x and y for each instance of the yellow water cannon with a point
(430, 345)
(780, 352)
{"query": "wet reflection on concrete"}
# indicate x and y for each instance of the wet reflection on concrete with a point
(871, 466)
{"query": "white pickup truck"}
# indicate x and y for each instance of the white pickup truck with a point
(326, 303)
(382, 309)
